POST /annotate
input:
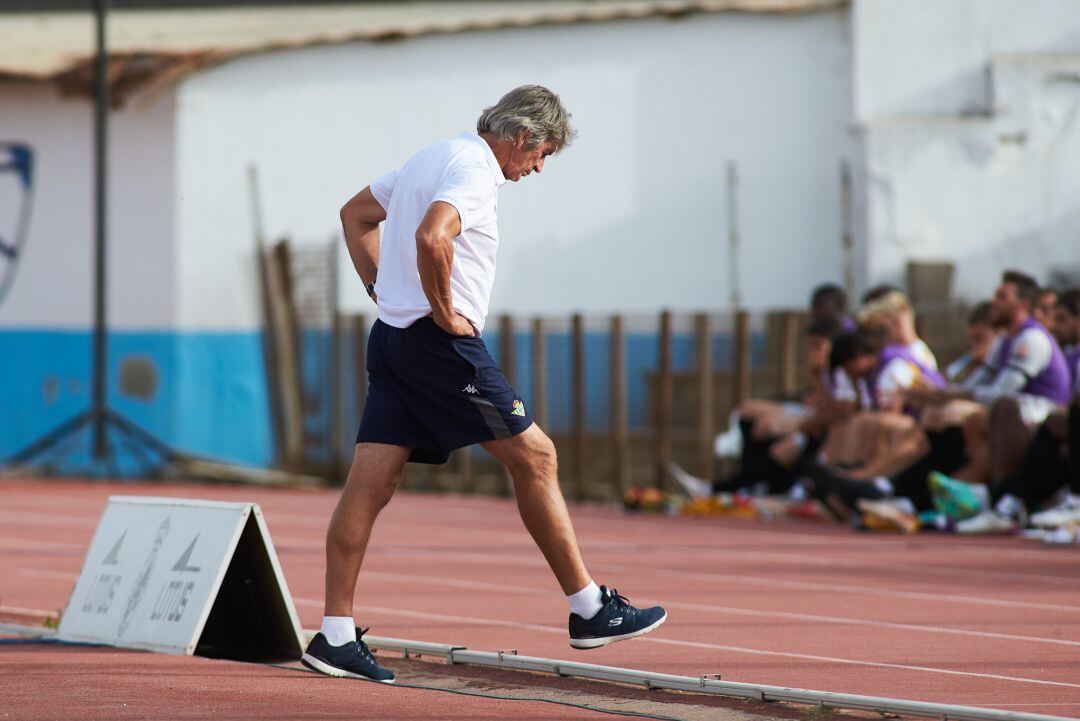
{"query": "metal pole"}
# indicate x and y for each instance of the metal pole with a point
(847, 240)
(733, 233)
(101, 111)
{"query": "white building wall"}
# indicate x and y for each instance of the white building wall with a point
(969, 117)
(987, 194)
(54, 281)
(632, 217)
(931, 57)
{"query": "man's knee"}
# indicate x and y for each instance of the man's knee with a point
(539, 459)
(543, 457)
(383, 490)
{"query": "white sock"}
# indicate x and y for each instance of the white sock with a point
(586, 602)
(339, 630)
(905, 505)
(884, 485)
(1009, 505)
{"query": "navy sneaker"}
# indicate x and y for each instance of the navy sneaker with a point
(353, 660)
(616, 620)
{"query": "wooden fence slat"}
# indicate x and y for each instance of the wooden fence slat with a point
(741, 360)
(789, 353)
(577, 385)
(539, 374)
(287, 353)
(620, 415)
(508, 364)
(704, 393)
(665, 392)
(507, 360)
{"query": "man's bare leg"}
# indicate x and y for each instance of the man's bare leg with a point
(376, 471)
(530, 458)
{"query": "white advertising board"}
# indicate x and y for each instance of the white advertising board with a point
(183, 576)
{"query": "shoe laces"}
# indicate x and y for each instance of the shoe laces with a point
(612, 596)
(364, 650)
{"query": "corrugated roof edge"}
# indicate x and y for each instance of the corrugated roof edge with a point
(146, 56)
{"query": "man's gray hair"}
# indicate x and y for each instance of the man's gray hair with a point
(533, 108)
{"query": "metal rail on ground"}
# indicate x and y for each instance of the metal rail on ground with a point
(511, 660)
(702, 684)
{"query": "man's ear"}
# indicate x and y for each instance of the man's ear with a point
(522, 138)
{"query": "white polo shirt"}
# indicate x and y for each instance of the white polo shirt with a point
(463, 172)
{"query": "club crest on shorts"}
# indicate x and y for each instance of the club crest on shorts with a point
(519, 409)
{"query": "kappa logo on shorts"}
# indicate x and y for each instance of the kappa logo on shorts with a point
(519, 409)
(471, 390)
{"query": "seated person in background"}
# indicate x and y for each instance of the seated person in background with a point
(1043, 312)
(760, 419)
(761, 423)
(1067, 329)
(981, 337)
(828, 304)
(1024, 380)
(1026, 375)
(1045, 467)
(1065, 516)
(906, 361)
(947, 430)
(1027, 378)
(877, 292)
(770, 418)
(885, 441)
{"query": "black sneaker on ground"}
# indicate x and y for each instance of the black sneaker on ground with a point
(616, 620)
(353, 660)
(839, 492)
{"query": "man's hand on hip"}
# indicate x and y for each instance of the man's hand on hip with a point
(455, 324)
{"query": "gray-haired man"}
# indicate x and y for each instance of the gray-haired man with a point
(433, 387)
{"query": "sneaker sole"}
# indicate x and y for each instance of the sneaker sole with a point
(322, 667)
(584, 643)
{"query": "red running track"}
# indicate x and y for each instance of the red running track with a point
(108, 684)
(989, 622)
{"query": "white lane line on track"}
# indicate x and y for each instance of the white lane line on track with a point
(512, 533)
(27, 611)
(740, 579)
(55, 520)
(68, 521)
(711, 531)
(709, 608)
(619, 525)
(466, 507)
(878, 565)
(57, 575)
(421, 615)
(835, 587)
(11, 544)
(736, 579)
(953, 548)
(727, 610)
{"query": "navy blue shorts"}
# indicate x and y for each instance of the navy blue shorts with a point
(434, 392)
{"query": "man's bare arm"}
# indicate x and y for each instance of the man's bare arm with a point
(360, 218)
(434, 257)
